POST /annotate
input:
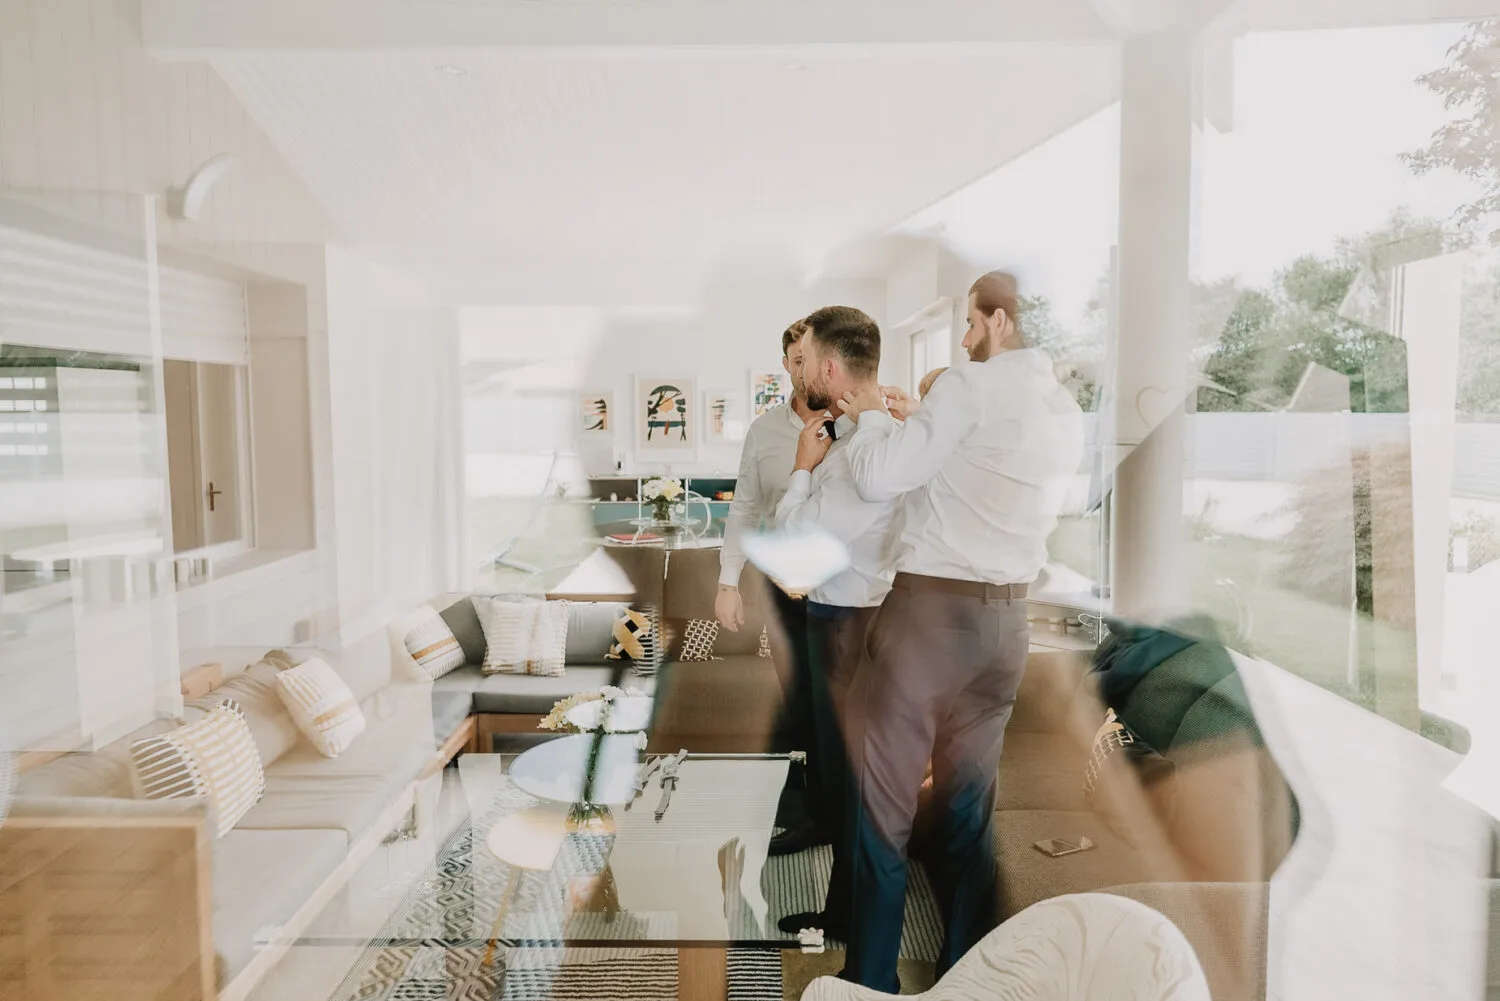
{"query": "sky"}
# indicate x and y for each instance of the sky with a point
(1321, 119)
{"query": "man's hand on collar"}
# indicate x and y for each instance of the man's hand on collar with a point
(856, 402)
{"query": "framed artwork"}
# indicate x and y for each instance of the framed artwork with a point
(667, 412)
(724, 415)
(596, 415)
(769, 390)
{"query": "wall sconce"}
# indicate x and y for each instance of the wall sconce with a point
(187, 201)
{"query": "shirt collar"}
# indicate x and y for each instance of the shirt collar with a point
(792, 415)
(844, 427)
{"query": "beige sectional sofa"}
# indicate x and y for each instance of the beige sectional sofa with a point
(1199, 846)
(206, 916)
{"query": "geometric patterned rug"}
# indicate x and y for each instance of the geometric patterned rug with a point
(435, 944)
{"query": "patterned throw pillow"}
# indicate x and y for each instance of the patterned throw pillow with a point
(322, 706)
(433, 646)
(214, 758)
(633, 633)
(698, 641)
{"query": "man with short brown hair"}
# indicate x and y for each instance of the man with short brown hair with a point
(765, 465)
(981, 466)
(841, 353)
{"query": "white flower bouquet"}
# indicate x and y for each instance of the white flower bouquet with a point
(610, 709)
(661, 492)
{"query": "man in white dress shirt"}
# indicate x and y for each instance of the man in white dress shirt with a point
(765, 464)
(841, 354)
(982, 467)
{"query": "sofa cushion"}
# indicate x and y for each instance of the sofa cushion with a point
(1041, 771)
(449, 710)
(509, 627)
(365, 666)
(322, 705)
(261, 879)
(722, 706)
(347, 793)
(1027, 876)
(254, 688)
(431, 643)
(108, 771)
(634, 633)
(397, 740)
(347, 804)
(464, 622)
(590, 629)
(534, 695)
(213, 759)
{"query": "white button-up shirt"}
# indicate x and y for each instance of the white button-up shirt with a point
(828, 499)
(985, 465)
(769, 453)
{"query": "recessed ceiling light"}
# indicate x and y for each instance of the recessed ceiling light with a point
(452, 69)
(796, 67)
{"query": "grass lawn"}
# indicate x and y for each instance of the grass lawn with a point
(1305, 636)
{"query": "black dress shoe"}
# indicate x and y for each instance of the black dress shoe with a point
(797, 839)
(832, 928)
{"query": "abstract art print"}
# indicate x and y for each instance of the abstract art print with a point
(596, 414)
(723, 415)
(667, 410)
(769, 390)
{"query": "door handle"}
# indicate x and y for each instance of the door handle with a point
(212, 493)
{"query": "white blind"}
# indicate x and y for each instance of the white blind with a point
(63, 295)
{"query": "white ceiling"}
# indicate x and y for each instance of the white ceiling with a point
(555, 177)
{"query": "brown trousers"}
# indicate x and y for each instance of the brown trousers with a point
(938, 683)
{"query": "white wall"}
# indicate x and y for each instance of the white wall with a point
(86, 117)
(562, 352)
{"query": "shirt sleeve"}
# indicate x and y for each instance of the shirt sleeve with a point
(743, 514)
(835, 507)
(887, 459)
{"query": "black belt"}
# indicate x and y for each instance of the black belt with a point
(965, 588)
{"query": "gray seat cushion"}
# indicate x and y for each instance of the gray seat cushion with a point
(262, 878)
(449, 710)
(533, 695)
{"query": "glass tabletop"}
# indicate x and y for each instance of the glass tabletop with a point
(681, 865)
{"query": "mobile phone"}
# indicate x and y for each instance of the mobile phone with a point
(1057, 847)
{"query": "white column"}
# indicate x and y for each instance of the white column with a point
(1158, 130)
(1429, 301)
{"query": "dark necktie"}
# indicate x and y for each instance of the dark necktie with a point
(832, 428)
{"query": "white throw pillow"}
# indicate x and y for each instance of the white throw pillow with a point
(549, 641)
(432, 644)
(509, 626)
(214, 758)
(322, 705)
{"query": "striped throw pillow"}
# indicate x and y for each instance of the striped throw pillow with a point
(509, 626)
(549, 641)
(213, 758)
(322, 706)
(433, 646)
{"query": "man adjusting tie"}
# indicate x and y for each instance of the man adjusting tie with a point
(984, 465)
(840, 354)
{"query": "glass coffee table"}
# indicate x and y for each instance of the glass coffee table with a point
(677, 869)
